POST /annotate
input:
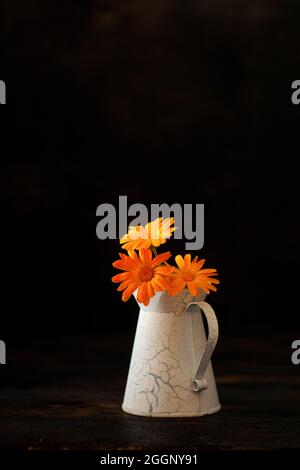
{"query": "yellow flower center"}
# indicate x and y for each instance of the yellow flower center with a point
(188, 277)
(146, 273)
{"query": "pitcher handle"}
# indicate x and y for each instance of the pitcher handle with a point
(199, 383)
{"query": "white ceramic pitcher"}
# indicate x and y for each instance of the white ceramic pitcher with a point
(170, 372)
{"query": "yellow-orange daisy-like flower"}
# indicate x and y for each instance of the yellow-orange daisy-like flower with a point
(191, 275)
(143, 273)
(153, 234)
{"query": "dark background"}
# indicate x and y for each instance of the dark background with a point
(167, 101)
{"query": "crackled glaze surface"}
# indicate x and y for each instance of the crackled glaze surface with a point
(166, 353)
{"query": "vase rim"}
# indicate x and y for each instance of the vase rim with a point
(164, 302)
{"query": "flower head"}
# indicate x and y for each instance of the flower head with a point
(191, 275)
(153, 234)
(143, 273)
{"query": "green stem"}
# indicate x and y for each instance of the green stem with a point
(154, 250)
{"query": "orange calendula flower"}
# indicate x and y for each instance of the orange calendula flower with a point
(153, 234)
(143, 273)
(191, 275)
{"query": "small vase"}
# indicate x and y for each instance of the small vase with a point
(170, 371)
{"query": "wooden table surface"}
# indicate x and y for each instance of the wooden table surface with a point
(67, 393)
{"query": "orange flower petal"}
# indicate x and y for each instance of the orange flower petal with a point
(151, 291)
(179, 261)
(192, 288)
(200, 263)
(128, 292)
(187, 261)
(142, 292)
(154, 233)
(176, 286)
(208, 271)
(190, 273)
(160, 258)
(164, 270)
(146, 256)
(124, 284)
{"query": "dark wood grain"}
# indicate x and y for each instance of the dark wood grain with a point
(67, 394)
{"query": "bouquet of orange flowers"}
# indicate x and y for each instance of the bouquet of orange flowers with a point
(148, 272)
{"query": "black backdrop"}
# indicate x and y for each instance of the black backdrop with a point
(167, 101)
